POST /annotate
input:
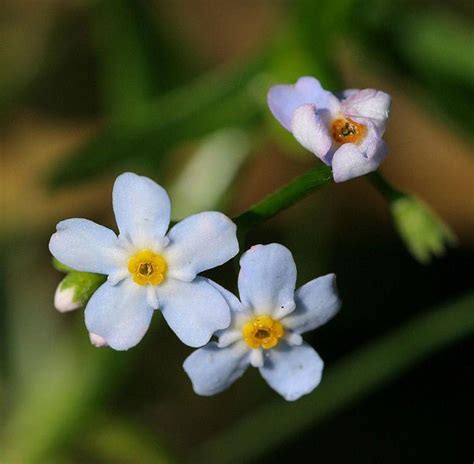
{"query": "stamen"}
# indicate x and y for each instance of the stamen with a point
(262, 332)
(346, 130)
(147, 267)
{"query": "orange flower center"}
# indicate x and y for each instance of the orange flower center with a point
(346, 130)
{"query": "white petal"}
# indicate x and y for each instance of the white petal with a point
(194, 310)
(316, 303)
(283, 100)
(256, 357)
(227, 337)
(200, 242)
(292, 371)
(233, 302)
(293, 338)
(152, 297)
(86, 246)
(267, 278)
(142, 209)
(370, 104)
(311, 130)
(120, 314)
(117, 276)
(349, 162)
(213, 369)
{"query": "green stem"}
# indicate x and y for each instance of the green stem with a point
(384, 187)
(283, 198)
(352, 378)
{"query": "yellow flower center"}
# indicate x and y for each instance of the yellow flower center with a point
(147, 267)
(346, 130)
(262, 331)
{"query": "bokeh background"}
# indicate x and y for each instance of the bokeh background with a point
(175, 89)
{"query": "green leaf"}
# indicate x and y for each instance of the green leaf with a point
(207, 176)
(349, 380)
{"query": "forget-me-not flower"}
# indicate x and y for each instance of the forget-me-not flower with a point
(266, 327)
(148, 268)
(346, 133)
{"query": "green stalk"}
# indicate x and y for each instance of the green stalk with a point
(352, 378)
(283, 198)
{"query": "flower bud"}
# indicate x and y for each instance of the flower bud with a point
(97, 340)
(75, 290)
(425, 234)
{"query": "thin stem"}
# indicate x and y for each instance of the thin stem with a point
(283, 198)
(384, 187)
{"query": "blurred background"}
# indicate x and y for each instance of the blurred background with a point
(175, 90)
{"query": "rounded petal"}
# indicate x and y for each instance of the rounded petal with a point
(86, 246)
(200, 242)
(233, 302)
(142, 208)
(194, 310)
(311, 131)
(267, 279)
(349, 162)
(119, 314)
(368, 104)
(316, 303)
(292, 371)
(212, 369)
(283, 100)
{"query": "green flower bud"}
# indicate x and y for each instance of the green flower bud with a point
(425, 234)
(75, 290)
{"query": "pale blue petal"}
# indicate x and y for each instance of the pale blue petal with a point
(311, 131)
(283, 100)
(86, 246)
(267, 279)
(212, 369)
(233, 302)
(200, 242)
(142, 208)
(316, 303)
(368, 104)
(349, 162)
(194, 310)
(292, 371)
(119, 314)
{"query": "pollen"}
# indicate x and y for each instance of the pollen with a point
(346, 130)
(262, 332)
(147, 268)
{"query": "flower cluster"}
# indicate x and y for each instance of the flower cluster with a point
(149, 267)
(346, 133)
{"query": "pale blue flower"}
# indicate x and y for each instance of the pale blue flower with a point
(148, 269)
(266, 327)
(346, 133)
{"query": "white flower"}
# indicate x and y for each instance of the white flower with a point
(346, 133)
(266, 327)
(148, 269)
